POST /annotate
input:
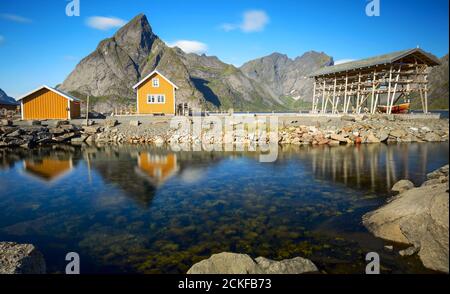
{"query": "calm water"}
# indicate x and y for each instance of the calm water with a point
(148, 210)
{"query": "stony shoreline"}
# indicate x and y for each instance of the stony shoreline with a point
(419, 217)
(337, 131)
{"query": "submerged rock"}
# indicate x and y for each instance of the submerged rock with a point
(420, 217)
(402, 186)
(20, 259)
(235, 263)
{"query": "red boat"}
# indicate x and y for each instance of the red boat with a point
(400, 108)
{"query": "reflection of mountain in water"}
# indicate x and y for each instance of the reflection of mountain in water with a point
(140, 171)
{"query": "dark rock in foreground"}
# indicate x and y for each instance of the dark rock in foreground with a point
(20, 259)
(235, 263)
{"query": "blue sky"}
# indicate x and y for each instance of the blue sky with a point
(40, 44)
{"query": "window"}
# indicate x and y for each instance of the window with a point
(156, 99)
(155, 83)
(151, 99)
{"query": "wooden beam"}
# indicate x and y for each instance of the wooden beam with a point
(314, 98)
(323, 97)
(345, 94)
(389, 90)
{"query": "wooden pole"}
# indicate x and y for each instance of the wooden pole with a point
(314, 97)
(334, 96)
(389, 91)
(426, 94)
(372, 102)
(358, 94)
(345, 93)
(87, 110)
(395, 89)
(323, 96)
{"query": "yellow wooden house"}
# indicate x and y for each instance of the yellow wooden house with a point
(49, 103)
(155, 94)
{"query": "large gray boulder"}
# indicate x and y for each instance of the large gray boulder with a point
(235, 263)
(20, 259)
(419, 217)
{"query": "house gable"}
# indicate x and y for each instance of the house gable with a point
(155, 95)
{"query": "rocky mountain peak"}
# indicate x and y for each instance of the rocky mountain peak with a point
(5, 99)
(136, 32)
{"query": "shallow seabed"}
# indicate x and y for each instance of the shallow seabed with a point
(150, 210)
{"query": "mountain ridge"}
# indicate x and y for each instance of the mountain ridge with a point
(109, 72)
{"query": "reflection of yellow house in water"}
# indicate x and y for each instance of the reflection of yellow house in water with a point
(157, 167)
(48, 168)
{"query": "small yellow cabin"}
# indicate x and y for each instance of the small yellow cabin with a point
(155, 94)
(49, 103)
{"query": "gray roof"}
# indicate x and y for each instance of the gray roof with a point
(377, 60)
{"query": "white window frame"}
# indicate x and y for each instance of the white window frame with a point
(155, 82)
(155, 99)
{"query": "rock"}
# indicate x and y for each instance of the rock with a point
(409, 251)
(20, 259)
(6, 122)
(297, 265)
(333, 143)
(57, 131)
(226, 263)
(372, 139)
(111, 122)
(64, 137)
(33, 122)
(402, 186)
(57, 123)
(91, 129)
(15, 133)
(420, 217)
(68, 127)
(389, 248)
(91, 138)
(441, 172)
(432, 137)
(158, 140)
(135, 123)
(348, 118)
(339, 138)
(398, 133)
(235, 263)
(79, 140)
(88, 123)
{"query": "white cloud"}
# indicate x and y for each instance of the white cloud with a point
(15, 18)
(104, 23)
(341, 61)
(252, 21)
(2, 39)
(189, 46)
